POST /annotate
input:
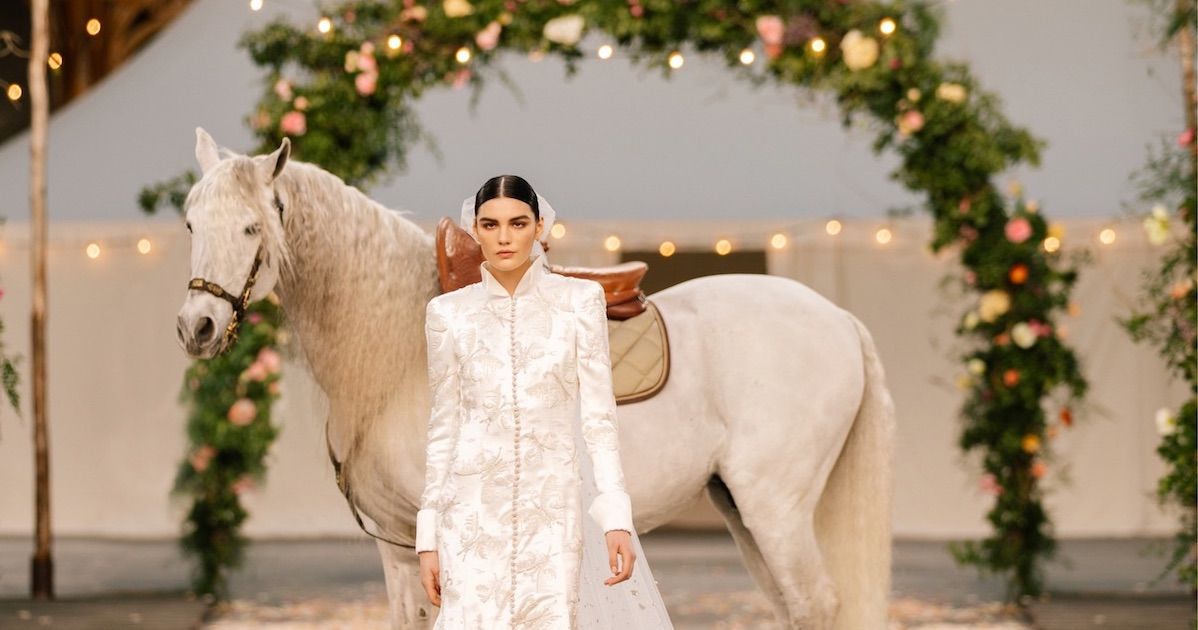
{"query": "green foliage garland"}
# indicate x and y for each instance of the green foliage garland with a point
(230, 432)
(1169, 296)
(342, 90)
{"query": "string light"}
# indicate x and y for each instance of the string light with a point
(605, 51)
(143, 245)
(723, 247)
(463, 55)
(55, 61)
(778, 241)
(93, 250)
(832, 227)
(394, 42)
(611, 243)
(818, 45)
(883, 236)
(887, 26)
(1107, 236)
(324, 25)
(93, 27)
(255, 5)
(1052, 244)
(747, 57)
(676, 60)
(13, 92)
(667, 249)
(558, 230)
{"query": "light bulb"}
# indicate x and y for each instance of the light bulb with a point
(611, 243)
(747, 57)
(605, 51)
(667, 248)
(723, 246)
(832, 227)
(778, 241)
(676, 60)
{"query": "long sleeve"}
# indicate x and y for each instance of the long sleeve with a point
(612, 508)
(444, 401)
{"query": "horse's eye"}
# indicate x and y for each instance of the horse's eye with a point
(188, 227)
(251, 230)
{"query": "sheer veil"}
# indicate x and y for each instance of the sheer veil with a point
(636, 603)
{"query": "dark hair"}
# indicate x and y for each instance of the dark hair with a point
(511, 187)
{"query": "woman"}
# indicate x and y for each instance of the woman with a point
(500, 531)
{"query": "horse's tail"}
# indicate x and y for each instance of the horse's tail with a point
(852, 520)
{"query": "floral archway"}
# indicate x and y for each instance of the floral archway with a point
(342, 89)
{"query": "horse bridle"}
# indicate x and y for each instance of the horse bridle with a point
(239, 302)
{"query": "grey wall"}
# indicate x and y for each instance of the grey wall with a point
(618, 142)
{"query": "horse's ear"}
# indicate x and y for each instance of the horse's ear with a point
(271, 165)
(206, 152)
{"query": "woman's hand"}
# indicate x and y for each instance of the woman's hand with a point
(619, 543)
(430, 576)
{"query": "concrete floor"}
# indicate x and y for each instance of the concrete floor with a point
(114, 583)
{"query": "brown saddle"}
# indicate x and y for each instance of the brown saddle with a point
(459, 255)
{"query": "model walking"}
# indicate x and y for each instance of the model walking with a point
(520, 377)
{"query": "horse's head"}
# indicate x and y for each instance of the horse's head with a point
(235, 216)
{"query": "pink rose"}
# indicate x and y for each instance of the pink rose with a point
(989, 484)
(910, 122)
(255, 372)
(201, 457)
(366, 83)
(283, 89)
(367, 63)
(1185, 138)
(242, 412)
(1018, 230)
(293, 123)
(636, 10)
(964, 205)
(274, 388)
(269, 360)
(770, 28)
(367, 48)
(461, 78)
(243, 484)
(488, 38)
(1039, 469)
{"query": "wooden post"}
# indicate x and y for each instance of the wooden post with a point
(41, 564)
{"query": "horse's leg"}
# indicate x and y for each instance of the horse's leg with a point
(724, 502)
(409, 606)
(784, 535)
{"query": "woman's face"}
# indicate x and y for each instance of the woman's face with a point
(506, 230)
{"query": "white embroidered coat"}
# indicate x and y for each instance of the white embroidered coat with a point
(501, 503)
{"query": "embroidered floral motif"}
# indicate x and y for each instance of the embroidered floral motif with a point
(502, 493)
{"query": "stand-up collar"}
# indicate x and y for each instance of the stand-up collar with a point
(530, 277)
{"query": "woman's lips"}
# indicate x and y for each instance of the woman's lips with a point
(506, 254)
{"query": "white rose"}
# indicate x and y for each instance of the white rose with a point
(993, 304)
(859, 51)
(457, 8)
(565, 30)
(951, 92)
(1166, 423)
(1157, 225)
(977, 367)
(1023, 335)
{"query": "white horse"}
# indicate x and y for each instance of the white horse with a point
(776, 404)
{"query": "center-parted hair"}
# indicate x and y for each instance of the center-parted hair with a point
(511, 187)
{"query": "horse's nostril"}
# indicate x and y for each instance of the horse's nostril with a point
(205, 330)
(179, 331)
